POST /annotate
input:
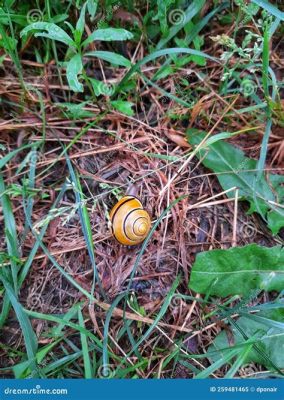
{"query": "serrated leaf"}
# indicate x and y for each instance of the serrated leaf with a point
(75, 110)
(235, 170)
(49, 30)
(74, 68)
(271, 339)
(238, 270)
(111, 57)
(125, 107)
(108, 35)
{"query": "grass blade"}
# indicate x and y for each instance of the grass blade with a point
(218, 364)
(28, 333)
(11, 154)
(270, 8)
(85, 349)
(11, 233)
(146, 241)
(190, 12)
(85, 222)
(239, 362)
(157, 54)
(157, 319)
(106, 331)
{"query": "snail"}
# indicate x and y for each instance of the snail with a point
(130, 222)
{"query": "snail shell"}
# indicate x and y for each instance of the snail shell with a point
(130, 222)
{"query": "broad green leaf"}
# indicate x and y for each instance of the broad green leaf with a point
(271, 340)
(125, 107)
(49, 30)
(92, 6)
(111, 57)
(235, 170)
(74, 68)
(274, 222)
(108, 35)
(274, 216)
(238, 270)
(263, 319)
(80, 26)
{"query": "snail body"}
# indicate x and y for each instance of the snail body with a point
(130, 222)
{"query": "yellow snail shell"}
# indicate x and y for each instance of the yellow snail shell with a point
(130, 222)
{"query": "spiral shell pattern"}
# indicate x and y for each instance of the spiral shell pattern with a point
(130, 222)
